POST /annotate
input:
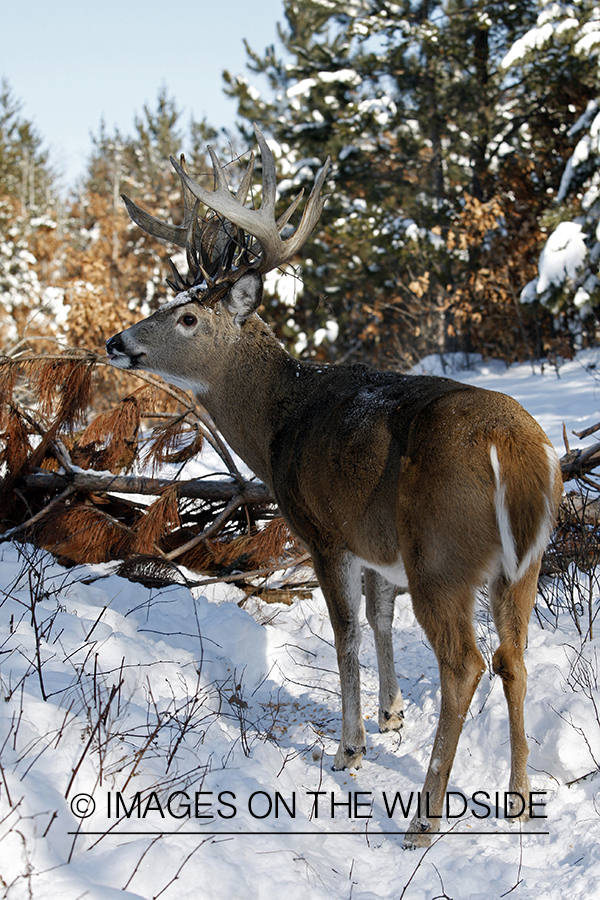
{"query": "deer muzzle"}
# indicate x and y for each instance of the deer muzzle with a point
(119, 356)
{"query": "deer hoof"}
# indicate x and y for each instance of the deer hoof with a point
(419, 834)
(348, 758)
(391, 721)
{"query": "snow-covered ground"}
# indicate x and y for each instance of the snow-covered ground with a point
(159, 744)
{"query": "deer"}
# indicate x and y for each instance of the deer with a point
(388, 479)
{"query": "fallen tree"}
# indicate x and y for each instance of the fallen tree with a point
(77, 483)
(576, 538)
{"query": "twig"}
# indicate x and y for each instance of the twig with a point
(255, 573)
(212, 529)
(179, 870)
(101, 719)
(416, 869)
(576, 463)
(587, 431)
(519, 879)
(209, 429)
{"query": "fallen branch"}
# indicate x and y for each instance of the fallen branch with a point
(10, 534)
(587, 431)
(64, 485)
(195, 488)
(578, 463)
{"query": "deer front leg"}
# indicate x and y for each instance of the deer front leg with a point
(339, 577)
(380, 596)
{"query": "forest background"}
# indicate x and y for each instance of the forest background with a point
(464, 201)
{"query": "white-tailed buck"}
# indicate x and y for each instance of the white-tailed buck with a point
(415, 480)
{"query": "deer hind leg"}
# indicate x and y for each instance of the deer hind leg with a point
(511, 607)
(339, 577)
(446, 618)
(380, 596)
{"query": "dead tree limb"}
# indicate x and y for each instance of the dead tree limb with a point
(578, 463)
(587, 431)
(196, 488)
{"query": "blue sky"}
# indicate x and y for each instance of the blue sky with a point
(71, 62)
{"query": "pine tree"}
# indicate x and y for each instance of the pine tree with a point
(566, 38)
(115, 271)
(433, 225)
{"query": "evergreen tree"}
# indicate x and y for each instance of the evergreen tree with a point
(434, 182)
(25, 176)
(566, 38)
(115, 271)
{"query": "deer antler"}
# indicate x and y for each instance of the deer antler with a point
(261, 223)
(216, 246)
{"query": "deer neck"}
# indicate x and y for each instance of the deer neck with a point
(258, 386)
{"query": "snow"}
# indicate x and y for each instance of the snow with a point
(329, 333)
(301, 88)
(585, 119)
(534, 38)
(240, 707)
(563, 255)
(343, 76)
(554, 21)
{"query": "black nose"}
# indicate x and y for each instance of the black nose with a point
(114, 345)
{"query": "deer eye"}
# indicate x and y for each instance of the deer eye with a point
(189, 320)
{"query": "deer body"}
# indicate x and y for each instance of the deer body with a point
(414, 479)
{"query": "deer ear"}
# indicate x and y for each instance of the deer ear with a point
(244, 297)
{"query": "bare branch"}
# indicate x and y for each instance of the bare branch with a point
(196, 488)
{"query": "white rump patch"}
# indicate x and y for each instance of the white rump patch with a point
(543, 534)
(514, 570)
(507, 538)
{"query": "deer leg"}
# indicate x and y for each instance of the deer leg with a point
(511, 608)
(447, 622)
(380, 596)
(339, 577)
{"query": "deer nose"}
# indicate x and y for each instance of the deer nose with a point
(114, 345)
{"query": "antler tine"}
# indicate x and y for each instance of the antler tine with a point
(260, 223)
(311, 215)
(190, 203)
(242, 192)
(221, 200)
(287, 215)
(176, 234)
(269, 174)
